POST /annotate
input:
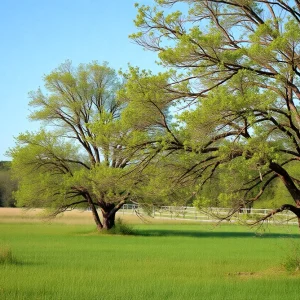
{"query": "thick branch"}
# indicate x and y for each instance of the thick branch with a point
(287, 180)
(289, 207)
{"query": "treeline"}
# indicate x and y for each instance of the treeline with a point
(7, 185)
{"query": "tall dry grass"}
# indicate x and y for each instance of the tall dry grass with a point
(20, 215)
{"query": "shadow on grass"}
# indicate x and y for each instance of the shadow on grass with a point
(210, 234)
(16, 262)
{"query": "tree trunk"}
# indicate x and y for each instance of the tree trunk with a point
(109, 211)
(108, 220)
(97, 219)
(108, 215)
(94, 212)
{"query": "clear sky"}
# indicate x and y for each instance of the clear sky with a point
(38, 35)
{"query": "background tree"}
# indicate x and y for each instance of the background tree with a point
(7, 185)
(236, 65)
(78, 157)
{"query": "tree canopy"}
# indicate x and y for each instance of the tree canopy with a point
(78, 156)
(233, 70)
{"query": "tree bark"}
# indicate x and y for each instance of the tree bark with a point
(291, 187)
(108, 220)
(94, 212)
(97, 219)
(109, 211)
(108, 214)
(287, 180)
(289, 207)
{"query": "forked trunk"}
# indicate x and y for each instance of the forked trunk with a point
(109, 211)
(108, 216)
(108, 220)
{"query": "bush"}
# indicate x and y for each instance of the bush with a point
(121, 228)
(6, 256)
(292, 263)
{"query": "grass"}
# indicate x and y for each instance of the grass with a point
(162, 261)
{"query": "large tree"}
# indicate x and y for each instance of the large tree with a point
(78, 157)
(236, 66)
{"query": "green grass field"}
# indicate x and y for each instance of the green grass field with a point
(163, 261)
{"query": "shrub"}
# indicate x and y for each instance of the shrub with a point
(6, 256)
(292, 263)
(121, 228)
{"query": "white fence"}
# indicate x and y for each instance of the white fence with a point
(208, 214)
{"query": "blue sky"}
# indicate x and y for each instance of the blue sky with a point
(38, 35)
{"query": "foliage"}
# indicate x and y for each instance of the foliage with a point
(291, 261)
(223, 116)
(7, 185)
(78, 157)
(5, 165)
(6, 256)
(122, 228)
(235, 85)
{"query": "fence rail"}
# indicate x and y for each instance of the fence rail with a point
(209, 214)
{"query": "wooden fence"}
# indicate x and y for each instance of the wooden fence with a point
(211, 214)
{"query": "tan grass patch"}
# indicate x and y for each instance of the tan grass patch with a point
(17, 215)
(273, 272)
